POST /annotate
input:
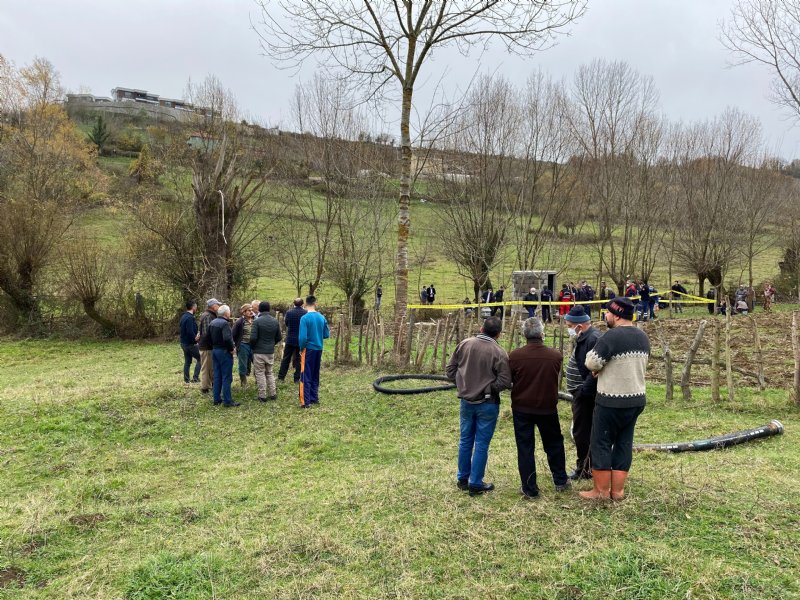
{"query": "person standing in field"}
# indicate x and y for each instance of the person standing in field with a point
(204, 344)
(530, 299)
(535, 370)
(265, 334)
(291, 349)
(378, 297)
(582, 384)
(189, 336)
(241, 341)
(547, 297)
(619, 360)
(313, 331)
(222, 354)
(479, 368)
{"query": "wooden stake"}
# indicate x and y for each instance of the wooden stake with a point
(762, 385)
(436, 344)
(728, 370)
(715, 353)
(686, 382)
(796, 349)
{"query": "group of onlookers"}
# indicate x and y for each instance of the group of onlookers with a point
(253, 339)
(427, 295)
(605, 375)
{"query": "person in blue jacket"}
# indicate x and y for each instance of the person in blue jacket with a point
(313, 330)
(189, 337)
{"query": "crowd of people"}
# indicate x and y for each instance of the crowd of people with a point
(213, 344)
(605, 375)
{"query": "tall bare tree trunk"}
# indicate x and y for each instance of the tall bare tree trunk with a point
(403, 215)
(796, 349)
(728, 370)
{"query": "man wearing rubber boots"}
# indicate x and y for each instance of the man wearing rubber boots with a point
(583, 387)
(479, 368)
(619, 361)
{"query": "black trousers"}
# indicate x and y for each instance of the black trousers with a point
(582, 414)
(546, 314)
(191, 353)
(612, 437)
(552, 443)
(291, 353)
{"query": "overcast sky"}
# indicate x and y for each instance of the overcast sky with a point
(158, 45)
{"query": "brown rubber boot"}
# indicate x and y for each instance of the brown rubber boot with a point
(243, 380)
(602, 486)
(618, 484)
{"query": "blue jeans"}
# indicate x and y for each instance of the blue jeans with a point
(477, 428)
(245, 358)
(223, 375)
(531, 311)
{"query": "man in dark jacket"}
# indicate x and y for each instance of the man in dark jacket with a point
(431, 291)
(204, 344)
(264, 334)
(547, 297)
(222, 353)
(535, 369)
(479, 368)
(498, 297)
(583, 388)
(291, 349)
(677, 294)
(530, 299)
(188, 328)
(606, 293)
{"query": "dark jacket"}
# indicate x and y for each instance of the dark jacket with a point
(205, 322)
(292, 320)
(219, 333)
(585, 342)
(265, 334)
(188, 329)
(535, 369)
(530, 299)
(547, 295)
(479, 368)
(237, 331)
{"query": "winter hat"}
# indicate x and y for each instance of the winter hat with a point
(577, 315)
(621, 307)
(212, 302)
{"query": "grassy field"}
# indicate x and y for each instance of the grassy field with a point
(120, 482)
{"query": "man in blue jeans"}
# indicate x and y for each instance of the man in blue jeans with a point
(188, 328)
(479, 368)
(313, 331)
(222, 355)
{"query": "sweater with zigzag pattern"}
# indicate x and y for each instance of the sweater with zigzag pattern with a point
(620, 359)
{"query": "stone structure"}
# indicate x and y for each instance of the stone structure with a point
(523, 281)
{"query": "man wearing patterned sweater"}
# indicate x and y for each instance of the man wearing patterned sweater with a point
(618, 360)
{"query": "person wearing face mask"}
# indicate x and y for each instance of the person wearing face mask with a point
(583, 387)
(619, 361)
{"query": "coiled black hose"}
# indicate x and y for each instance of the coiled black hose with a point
(379, 387)
(774, 427)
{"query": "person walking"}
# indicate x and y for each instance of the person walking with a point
(583, 387)
(479, 368)
(189, 337)
(222, 355)
(313, 331)
(535, 370)
(264, 335)
(678, 292)
(378, 297)
(205, 347)
(291, 347)
(241, 341)
(619, 360)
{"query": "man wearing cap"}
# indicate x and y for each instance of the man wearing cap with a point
(204, 343)
(530, 300)
(479, 368)
(222, 353)
(291, 349)
(535, 370)
(619, 360)
(583, 387)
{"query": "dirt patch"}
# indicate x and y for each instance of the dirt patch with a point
(87, 521)
(773, 330)
(11, 577)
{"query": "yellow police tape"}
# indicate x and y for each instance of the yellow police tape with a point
(693, 300)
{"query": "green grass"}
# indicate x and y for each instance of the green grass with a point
(118, 481)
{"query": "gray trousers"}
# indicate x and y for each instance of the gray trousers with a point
(262, 368)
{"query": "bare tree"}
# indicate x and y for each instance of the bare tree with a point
(707, 158)
(613, 118)
(768, 32)
(476, 205)
(377, 42)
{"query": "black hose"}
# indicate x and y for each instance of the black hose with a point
(721, 441)
(421, 390)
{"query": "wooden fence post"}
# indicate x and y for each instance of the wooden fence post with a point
(762, 384)
(410, 336)
(686, 387)
(715, 353)
(796, 350)
(728, 369)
